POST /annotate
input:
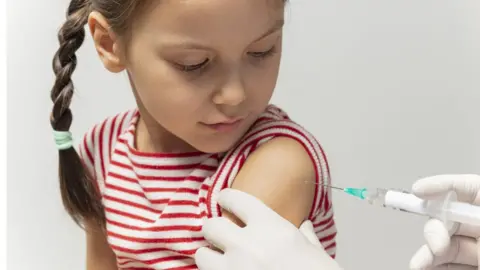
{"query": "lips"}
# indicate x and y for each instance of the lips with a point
(226, 125)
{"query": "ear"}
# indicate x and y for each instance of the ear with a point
(106, 43)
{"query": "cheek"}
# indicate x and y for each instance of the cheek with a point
(169, 99)
(262, 82)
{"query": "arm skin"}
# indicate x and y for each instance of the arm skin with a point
(277, 173)
(99, 254)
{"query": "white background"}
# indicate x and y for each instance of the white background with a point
(390, 88)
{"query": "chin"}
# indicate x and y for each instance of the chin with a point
(216, 148)
(218, 145)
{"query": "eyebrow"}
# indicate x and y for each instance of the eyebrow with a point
(195, 46)
(277, 26)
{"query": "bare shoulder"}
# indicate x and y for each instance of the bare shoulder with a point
(277, 173)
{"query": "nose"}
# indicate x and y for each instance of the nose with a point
(231, 93)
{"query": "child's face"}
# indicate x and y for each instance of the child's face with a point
(195, 63)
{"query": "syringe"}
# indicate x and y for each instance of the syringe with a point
(446, 209)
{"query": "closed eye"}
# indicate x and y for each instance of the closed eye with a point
(263, 54)
(191, 68)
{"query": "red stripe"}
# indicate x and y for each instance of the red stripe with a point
(152, 250)
(171, 178)
(184, 215)
(122, 122)
(189, 267)
(176, 190)
(155, 261)
(126, 190)
(331, 246)
(121, 165)
(132, 204)
(162, 155)
(178, 202)
(100, 146)
(205, 187)
(125, 214)
(113, 126)
(123, 178)
(156, 240)
(157, 201)
(156, 228)
(86, 145)
(329, 237)
(323, 222)
(175, 167)
(328, 226)
(165, 167)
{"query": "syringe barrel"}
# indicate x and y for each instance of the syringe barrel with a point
(463, 213)
(446, 208)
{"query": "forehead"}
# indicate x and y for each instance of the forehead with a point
(209, 20)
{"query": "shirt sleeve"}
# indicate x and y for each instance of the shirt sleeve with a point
(88, 153)
(98, 143)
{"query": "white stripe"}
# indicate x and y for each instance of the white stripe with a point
(125, 208)
(321, 232)
(149, 195)
(154, 234)
(124, 185)
(174, 264)
(169, 184)
(140, 246)
(174, 209)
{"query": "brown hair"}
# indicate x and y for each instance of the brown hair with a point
(80, 196)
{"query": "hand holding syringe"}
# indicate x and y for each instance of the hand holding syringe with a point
(446, 209)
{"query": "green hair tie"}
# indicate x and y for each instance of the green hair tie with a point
(63, 139)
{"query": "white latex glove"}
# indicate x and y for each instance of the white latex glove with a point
(267, 242)
(442, 251)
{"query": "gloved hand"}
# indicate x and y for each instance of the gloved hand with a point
(268, 241)
(460, 251)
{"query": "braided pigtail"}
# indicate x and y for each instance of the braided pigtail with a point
(80, 196)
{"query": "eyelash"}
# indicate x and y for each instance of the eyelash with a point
(264, 54)
(258, 55)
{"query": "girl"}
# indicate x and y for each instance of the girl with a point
(202, 73)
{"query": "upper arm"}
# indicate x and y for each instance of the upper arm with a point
(280, 173)
(99, 254)
(94, 152)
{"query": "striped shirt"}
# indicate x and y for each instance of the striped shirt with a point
(156, 203)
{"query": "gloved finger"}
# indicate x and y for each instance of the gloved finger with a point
(468, 230)
(437, 236)
(221, 232)
(207, 259)
(466, 186)
(308, 231)
(462, 250)
(452, 266)
(245, 206)
(423, 259)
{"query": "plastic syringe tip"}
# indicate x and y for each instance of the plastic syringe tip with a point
(356, 192)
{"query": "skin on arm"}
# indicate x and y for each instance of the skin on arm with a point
(277, 173)
(99, 254)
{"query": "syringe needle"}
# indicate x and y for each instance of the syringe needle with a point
(325, 185)
(339, 188)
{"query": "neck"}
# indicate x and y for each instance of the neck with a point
(153, 138)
